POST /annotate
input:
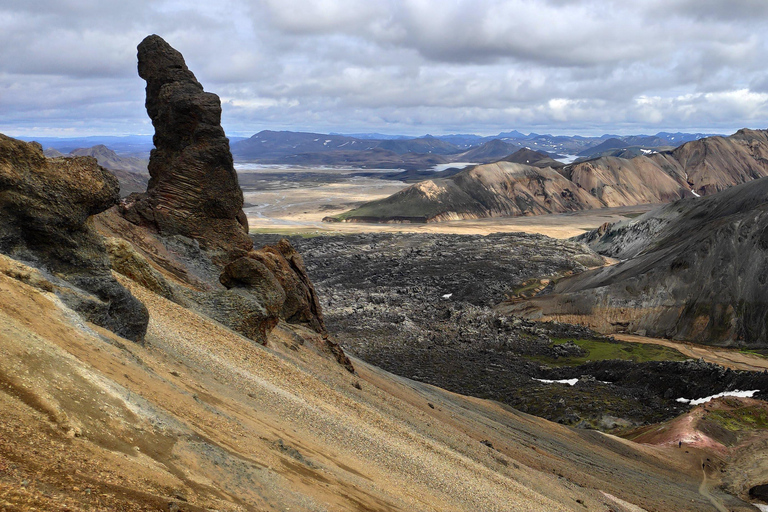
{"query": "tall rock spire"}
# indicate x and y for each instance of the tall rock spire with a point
(193, 190)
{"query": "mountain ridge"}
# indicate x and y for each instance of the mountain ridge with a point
(696, 168)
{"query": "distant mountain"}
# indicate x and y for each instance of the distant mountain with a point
(421, 145)
(111, 160)
(284, 147)
(131, 172)
(514, 134)
(606, 145)
(699, 167)
(274, 146)
(492, 151)
(131, 144)
(53, 153)
(693, 270)
(534, 158)
(463, 141)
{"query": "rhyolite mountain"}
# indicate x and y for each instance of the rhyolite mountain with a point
(699, 167)
(491, 190)
(695, 269)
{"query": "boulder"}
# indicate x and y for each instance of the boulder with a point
(45, 206)
(193, 190)
(286, 264)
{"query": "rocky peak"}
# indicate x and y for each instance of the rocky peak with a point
(193, 190)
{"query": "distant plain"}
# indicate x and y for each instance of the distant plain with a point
(294, 200)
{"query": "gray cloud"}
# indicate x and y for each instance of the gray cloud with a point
(410, 66)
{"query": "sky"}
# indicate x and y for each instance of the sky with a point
(68, 67)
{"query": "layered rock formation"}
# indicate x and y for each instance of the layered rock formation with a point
(694, 270)
(45, 206)
(193, 190)
(196, 251)
(699, 167)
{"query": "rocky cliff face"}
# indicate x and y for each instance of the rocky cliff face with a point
(694, 269)
(193, 190)
(45, 207)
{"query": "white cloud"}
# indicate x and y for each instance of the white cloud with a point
(395, 65)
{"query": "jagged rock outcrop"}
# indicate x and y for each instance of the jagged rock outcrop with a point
(186, 237)
(45, 205)
(695, 270)
(276, 274)
(193, 190)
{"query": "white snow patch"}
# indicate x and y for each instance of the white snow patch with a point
(762, 508)
(648, 151)
(447, 295)
(316, 140)
(699, 401)
(567, 159)
(570, 382)
(458, 165)
(695, 194)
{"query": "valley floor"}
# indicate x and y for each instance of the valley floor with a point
(294, 201)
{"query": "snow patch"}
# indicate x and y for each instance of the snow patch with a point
(447, 296)
(570, 382)
(699, 401)
(695, 194)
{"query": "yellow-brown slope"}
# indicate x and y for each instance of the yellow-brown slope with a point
(205, 418)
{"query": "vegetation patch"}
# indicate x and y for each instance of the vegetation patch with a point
(742, 418)
(601, 350)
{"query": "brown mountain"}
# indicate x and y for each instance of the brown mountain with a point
(491, 190)
(111, 160)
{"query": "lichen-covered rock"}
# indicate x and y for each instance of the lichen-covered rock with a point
(44, 209)
(286, 264)
(127, 261)
(193, 190)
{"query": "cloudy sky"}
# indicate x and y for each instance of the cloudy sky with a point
(68, 67)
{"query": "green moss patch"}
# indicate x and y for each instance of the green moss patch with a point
(743, 418)
(601, 350)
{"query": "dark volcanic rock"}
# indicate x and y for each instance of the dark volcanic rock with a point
(193, 190)
(44, 208)
(695, 270)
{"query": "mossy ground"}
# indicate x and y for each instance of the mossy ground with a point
(742, 418)
(601, 350)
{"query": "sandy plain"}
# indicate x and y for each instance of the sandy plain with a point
(295, 201)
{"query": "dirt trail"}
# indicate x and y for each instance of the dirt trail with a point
(729, 358)
(704, 491)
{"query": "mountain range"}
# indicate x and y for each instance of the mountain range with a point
(696, 168)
